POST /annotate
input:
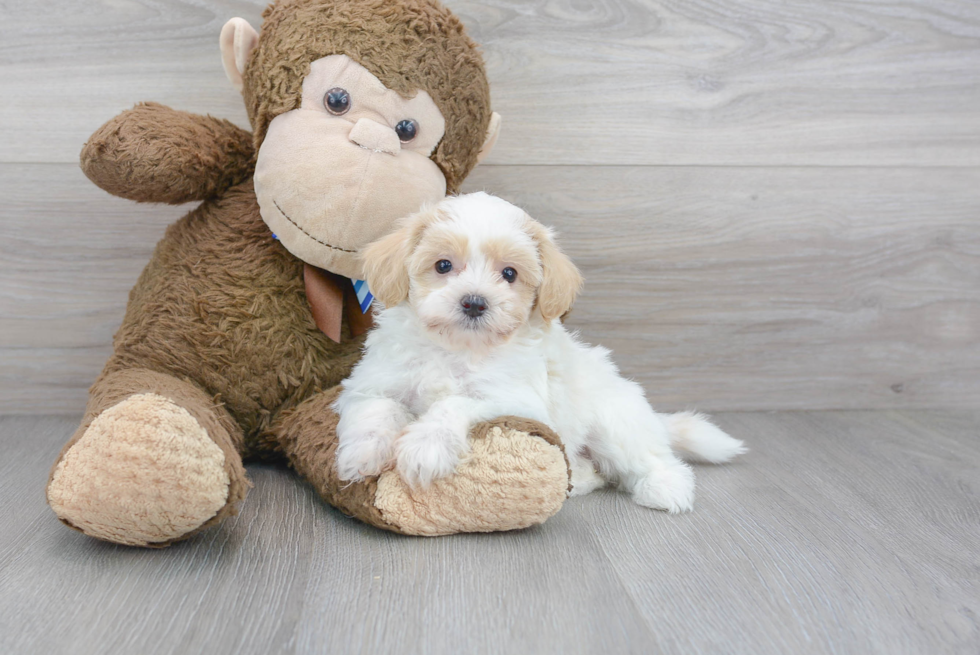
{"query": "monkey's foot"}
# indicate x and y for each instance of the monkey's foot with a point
(144, 473)
(514, 476)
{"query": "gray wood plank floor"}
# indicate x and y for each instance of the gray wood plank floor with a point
(840, 532)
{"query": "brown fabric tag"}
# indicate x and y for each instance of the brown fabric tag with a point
(330, 296)
(325, 293)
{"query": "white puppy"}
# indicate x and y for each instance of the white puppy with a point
(473, 290)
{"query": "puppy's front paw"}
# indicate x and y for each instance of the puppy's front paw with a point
(427, 451)
(364, 453)
(668, 487)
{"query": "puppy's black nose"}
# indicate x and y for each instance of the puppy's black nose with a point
(474, 306)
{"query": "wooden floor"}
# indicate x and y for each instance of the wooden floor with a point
(840, 532)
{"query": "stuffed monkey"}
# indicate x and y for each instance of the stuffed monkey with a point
(240, 329)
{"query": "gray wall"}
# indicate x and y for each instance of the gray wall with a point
(776, 205)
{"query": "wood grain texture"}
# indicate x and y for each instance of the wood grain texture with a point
(843, 532)
(731, 287)
(672, 82)
(754, 288)
(766, 288)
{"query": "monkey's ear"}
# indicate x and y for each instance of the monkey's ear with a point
(238, 40)
(493, 131)
(560, 279)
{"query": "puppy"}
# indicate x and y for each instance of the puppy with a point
(473, 289)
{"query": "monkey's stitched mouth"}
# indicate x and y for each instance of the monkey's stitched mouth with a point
(300, 228)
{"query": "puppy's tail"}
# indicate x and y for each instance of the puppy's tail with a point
(698, 440)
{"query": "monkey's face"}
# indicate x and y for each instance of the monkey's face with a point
(333, 175)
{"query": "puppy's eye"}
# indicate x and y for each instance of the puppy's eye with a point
(443, 266)
(337, 101)
(509, 274)
(406, 130)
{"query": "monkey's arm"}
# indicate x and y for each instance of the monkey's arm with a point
(152, 153)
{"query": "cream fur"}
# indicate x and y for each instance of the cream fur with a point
(237, 41)
(144, 472)
(493, 131)
(430, 372)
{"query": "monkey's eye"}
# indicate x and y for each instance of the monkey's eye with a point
(443, 266)
(406, 130)
(337, 101)
(509, 274)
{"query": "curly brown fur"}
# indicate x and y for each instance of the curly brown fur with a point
(152, 153)
(308, 435)
(223, 303)
(408, 45)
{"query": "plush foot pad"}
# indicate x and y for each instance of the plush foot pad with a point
(144, 472)
(509, 480)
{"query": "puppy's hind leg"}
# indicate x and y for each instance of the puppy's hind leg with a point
(667, 483)
(631, 443)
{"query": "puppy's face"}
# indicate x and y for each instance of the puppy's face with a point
(473, 268)
(474, 287)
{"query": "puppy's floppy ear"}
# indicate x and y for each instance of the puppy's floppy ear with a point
(386, 266)
(386, 260)
(560, 279)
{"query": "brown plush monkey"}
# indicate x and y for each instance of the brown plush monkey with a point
(234, 341)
